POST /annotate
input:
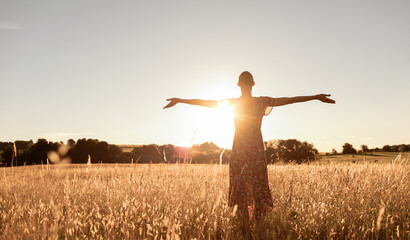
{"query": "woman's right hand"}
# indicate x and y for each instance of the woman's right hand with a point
(324, 98)
(172, 102)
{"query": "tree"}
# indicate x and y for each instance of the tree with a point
(334, 152)
(24, 144)
(7, 154)
(291, 150)
(37, 153)
(205, 147)
(270, 152)
(348, 149)
(364, 148)
(100, 151)
(386, 148)
(148, 154)
(114, 150)
(71, 143)
(3, 145)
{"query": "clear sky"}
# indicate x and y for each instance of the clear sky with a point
(103, 69)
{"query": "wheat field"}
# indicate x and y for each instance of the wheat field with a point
(182, 201)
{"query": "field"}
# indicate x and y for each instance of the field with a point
(146, 201)
(374, 157)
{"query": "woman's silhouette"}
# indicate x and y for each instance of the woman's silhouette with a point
(248, 177)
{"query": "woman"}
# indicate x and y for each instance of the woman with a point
(248, 177)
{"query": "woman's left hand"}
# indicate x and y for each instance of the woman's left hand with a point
(172, 102)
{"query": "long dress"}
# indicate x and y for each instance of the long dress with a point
(248, 176)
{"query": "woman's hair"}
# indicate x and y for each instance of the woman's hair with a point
(246, 78)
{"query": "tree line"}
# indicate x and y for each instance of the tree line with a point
(349, 149)
(95, 151)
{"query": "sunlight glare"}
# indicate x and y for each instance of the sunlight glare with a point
(213, 124)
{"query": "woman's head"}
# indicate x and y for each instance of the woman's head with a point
(246, 83)
(246, 79)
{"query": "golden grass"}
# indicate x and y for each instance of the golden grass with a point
(190, 201)
(379, 157)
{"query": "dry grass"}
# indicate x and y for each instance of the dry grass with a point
(190, 201)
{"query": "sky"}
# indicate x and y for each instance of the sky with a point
(104, 69)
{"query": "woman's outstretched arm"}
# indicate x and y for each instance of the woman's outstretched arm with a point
(198, 102)
(289, 100)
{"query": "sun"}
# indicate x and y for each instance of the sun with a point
(214, 124)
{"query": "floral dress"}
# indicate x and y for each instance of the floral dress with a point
(248, 176)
